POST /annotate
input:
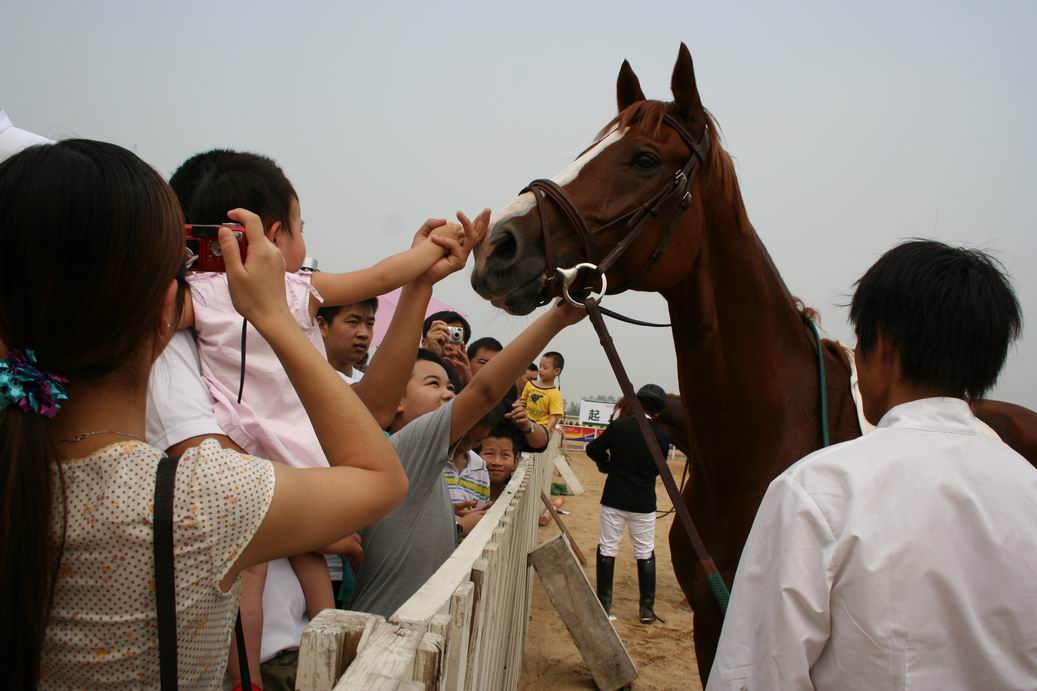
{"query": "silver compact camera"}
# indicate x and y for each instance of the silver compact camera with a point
(456, 334)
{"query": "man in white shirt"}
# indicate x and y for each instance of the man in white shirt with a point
(904, 559)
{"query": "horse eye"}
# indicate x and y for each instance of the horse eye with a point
(645, 161)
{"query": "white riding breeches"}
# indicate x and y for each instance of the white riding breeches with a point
(640, 525)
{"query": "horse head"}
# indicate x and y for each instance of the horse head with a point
(624, 178)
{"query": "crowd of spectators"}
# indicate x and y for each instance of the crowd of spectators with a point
(309, 473)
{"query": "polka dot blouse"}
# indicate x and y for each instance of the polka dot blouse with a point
(102, 632)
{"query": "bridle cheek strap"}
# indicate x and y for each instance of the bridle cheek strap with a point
(637, 218)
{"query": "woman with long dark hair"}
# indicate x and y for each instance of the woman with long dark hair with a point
(91, 281)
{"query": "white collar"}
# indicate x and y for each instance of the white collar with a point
(938, 414)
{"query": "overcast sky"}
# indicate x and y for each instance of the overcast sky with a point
(854, 125)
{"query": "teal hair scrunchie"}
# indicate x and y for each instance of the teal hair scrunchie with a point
(26, 386)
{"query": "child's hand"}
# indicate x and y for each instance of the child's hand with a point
(469, 520)
(458, 241)
(257, 286)
(426, 229)
(463, 507)
(454, 231)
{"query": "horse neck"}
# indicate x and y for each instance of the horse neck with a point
(743, 353)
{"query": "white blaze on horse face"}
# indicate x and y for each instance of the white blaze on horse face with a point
(524, 203)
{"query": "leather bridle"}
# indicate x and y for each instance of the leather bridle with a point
(675, 196)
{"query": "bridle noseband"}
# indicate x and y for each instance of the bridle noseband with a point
(676, 193)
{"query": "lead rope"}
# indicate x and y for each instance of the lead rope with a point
(716, 582)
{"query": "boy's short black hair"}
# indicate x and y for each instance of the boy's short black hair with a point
(950, 313)
(448, 317)
(212, 183)
(557, 358)
(451, 375)
(330, 312)
(485, 343)
(506, 431)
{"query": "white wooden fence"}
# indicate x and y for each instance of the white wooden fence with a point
(464, 629)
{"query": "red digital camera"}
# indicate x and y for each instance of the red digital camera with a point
(203, 246)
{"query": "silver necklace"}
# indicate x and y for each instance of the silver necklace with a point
(85, 435)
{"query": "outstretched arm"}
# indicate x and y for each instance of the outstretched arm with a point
(383, 386)
(499, 374)
(388, 274)
(386, 378)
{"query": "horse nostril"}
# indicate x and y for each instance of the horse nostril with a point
(505, 246)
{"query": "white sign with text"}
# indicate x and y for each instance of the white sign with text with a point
(595, 412)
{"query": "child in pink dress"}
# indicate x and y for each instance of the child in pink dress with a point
(269, 421)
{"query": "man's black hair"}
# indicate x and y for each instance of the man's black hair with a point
(485, 343)
(330, 312)
(532, 367)
(451, 375)
(447, 317)
(212, 183)
(949, 312)
(557, 358)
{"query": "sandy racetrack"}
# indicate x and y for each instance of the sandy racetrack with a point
(663, 653)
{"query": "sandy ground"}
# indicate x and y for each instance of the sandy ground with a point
(663, 653)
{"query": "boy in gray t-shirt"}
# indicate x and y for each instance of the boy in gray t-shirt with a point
(405, 548)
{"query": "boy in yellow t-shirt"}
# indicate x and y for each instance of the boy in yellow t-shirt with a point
(542, 397)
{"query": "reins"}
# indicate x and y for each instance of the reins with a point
(716, 582)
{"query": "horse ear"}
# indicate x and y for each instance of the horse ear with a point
(628, 88)
(685, 92)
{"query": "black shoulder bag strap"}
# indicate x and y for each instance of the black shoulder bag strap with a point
(165, 584)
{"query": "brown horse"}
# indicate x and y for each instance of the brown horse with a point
(747, 364)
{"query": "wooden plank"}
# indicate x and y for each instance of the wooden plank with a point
(458, 637)
(590, 628)
(558, 520)
(388, 650)
(380, 682)
(562, 466)
(516, 604)
(329, 644)
(428, 660)
(485, 655)
(479, 572)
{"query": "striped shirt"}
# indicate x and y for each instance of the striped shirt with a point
(472, 483)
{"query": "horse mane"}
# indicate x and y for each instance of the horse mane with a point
(806, 310)
(646, 117)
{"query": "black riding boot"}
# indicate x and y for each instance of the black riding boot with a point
(606, 566)
(646, 584)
